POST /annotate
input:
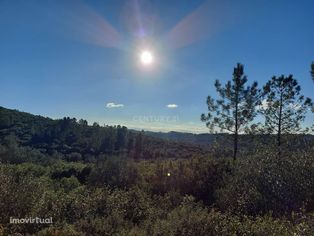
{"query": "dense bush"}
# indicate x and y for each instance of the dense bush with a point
(19, 194)
(199, 177)
(191, 218)
(199, 197)
(113, 172)
(268, 183)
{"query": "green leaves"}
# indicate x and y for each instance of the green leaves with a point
(286, 107)
(263, 184)
(234, 96)
(236, 106)
(280, 102)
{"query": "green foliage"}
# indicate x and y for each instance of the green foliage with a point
(236, 107)
(19, 193)
(25, 138)
(61, 169)
(113, 172)
(138, 146)
(252, 197)
(199, 177)
(11, 152)
(285, 107)
(261, 185)
(191, 218)
(65, 230)
(69, 184)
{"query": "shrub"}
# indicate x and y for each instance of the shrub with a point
(264, 184)
(114, 172)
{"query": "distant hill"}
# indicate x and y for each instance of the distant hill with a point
(247, 142)
(198, 139)
(76, 140)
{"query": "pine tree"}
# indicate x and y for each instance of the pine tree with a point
(312, 74)
(138, 149)
(284, 107)
(130, 144)
(235, 108)
(83, 122)
(122, 132)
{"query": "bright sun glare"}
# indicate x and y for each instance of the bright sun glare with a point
(146, 57)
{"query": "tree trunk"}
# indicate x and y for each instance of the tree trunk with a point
(235, 143)
(279, 142)
(235, 147)
(279, 128)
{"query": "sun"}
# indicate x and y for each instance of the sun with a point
(146, 57)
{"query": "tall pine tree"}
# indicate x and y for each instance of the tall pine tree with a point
(138, 149)
(235, 108)
(284, 107)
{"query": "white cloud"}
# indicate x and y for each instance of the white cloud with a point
(172, 105)
(114, 105)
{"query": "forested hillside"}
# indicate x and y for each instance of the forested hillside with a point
(77, 141)
(200, 139)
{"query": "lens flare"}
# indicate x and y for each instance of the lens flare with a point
(199, 24)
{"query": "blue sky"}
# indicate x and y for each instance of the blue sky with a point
(72, 58)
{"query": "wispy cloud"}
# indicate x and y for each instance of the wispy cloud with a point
(172, 105)
(114, 105)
